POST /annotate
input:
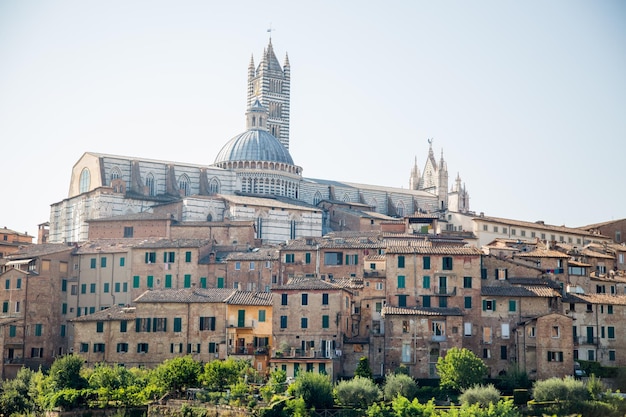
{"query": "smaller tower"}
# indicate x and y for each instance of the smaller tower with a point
(414, 179)
(442, 188)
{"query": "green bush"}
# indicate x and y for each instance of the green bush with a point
(560, 390)
(480, 394)
(359, 392)
(399, 384)
(316, 389)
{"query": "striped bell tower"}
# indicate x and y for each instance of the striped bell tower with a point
(270, 84)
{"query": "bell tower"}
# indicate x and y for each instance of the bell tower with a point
(270, 84)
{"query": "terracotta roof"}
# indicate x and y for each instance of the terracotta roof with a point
(421, 311)
(542, 253)
(301, 283)
(375, 257)
(576, 263)
(596, 299)
(107, 246)
(437, 250)
(186, 295)
(515, 291)
(30, 251)
(536, 225)
(112, 313)
(250, 298)
(262, 254)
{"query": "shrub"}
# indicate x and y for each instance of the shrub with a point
(566, 390)
(316, 390)
(363, 368)
(480, 394)
(359, 392)
(399, 384)
(460, 369)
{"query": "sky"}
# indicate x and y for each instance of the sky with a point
(527, 100)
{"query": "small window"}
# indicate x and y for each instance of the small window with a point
(426, 262)
(283, 322)
(237, 266)
(489, 305)
(283, 299)
(447, 263)
(305, 299)
(128, 232)
(402, 300)
(401, 282)
(512, 305)
(468, 302)
(401, 261)
(99, 326)
(555, 332)
(324, 299)
(467, 282)
(188, 256)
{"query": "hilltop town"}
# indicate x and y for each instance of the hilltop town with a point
(146, 260)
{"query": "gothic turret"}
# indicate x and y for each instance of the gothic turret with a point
(414, 180)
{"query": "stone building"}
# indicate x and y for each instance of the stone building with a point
(33, 322)
(312, 318)
(544, 346)
(205, 323)
(10, 241)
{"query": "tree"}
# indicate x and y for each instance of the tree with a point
(65, 372)
(14, 394)
(219, 375)
(399, 384)
(277, 384)
(363, 368)
(358, 392)
(460, 369)
(315, 389)
(178, 373)
(115, 383)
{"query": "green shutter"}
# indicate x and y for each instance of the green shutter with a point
(136, 281)
(187, 281)
(12, 331)
(493, 303)
(178, 324)
(426, 262)
(261, 315)
(188, 256)
(484, 305)
(202, 282)
(512, 305)
(137, 325)
(307, 257)
(241, 318)
(64, 285)
(426, 281)
(220, 282)
(168, 281)
(325, 322)
(150, 281)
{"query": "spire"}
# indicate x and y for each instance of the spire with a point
(414, 179)
(286, 64)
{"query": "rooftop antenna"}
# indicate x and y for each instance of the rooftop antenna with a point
(270, 30)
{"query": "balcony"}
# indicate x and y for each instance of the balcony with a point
(248, 350)
(445, 291)
(303, 353)
(584, 340)
(374, 273)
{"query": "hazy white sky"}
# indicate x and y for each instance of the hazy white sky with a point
(526, 99)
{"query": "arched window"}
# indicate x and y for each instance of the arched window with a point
(346, 198)
(150, 184)
(85, 181)
(317, 198)
(115, 174)
(214, 186)
(183, 185)
(400, 208)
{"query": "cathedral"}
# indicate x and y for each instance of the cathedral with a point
(253, 178)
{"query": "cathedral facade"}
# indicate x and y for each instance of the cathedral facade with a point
(255, 167)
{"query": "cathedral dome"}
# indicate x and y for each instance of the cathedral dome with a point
(254, 145)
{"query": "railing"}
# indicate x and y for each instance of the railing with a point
(584, 340)
(439, 338)
(445, 291)
(248, 350)
(304, 353)
(374, 273)
(16, 361)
